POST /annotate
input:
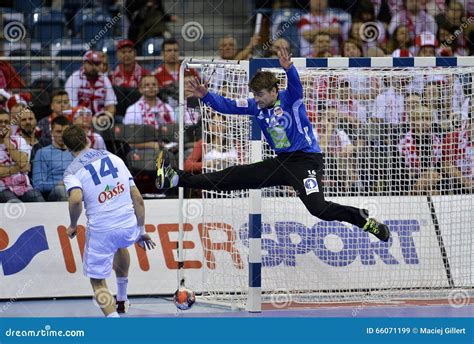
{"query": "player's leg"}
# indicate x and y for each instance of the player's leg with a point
(98, 259)
(104, 297)
(253, 176)
(121, 267)
(304, 173)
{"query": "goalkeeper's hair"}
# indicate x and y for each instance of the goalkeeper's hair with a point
(75, 138)
(263, 81)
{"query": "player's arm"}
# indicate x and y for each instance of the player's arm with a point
(216, 101)
(75, 210)
(6, 171)
(294, 89)
(139, 206)
(18, 156)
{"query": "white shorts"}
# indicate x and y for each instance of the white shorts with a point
(100, 249)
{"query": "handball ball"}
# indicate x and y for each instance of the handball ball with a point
(184, 298)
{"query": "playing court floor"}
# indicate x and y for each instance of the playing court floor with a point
(163, 307)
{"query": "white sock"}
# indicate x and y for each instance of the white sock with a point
(113, 315)
(122, 284)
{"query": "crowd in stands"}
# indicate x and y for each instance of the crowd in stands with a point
(402, 135)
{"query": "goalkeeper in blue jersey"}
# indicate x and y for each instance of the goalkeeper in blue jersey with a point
(285, 124)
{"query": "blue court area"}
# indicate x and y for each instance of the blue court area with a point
(163, 307)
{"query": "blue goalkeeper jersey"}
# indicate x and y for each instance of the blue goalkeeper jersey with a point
(286, 126)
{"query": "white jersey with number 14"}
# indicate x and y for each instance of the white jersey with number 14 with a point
(105, 182)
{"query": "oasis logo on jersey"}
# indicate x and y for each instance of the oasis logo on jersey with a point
(111, 192)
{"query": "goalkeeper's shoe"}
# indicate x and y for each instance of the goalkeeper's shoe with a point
(166, 176)
(378, 229)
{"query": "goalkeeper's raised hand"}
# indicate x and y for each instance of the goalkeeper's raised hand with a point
(195, 88)
(285, 58)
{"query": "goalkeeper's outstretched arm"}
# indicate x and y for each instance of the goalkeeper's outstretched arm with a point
(294, 88)
(218, 102)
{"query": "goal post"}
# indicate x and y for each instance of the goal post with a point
(397, 138)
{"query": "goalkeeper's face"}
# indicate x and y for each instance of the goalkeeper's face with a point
(266, 98)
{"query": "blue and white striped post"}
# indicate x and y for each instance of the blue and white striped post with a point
(254, 297)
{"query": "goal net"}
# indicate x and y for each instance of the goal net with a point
(396, 141)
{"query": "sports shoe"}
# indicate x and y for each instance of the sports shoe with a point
(166, 176)
(378, 229)
(122, 306)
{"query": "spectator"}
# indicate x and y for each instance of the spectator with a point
(378, 10)
(9, 78)
(50, 163)
(14, 166)
(414, 17)
(128, 72)
(373, 31)
(277, 45)
(351, 48)
(412, 102)
(321, 44)
(426, 44)
(28, 130)
(338, 147)
(104, 66)
(389, 103)
(15, 105)
(449, 46)
(147, 20)
(90, 88)
(216, 153)
(400, 40)
(350, 112)
(228, 48)
(458, 155)
(375, 52)
(321, 19)
(420, 150)
(149, 109)
(168, 73)
(453, 16)
(60, 105)
(82, 116)
(192, 113)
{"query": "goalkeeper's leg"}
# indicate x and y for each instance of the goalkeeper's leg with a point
(305, 172)
(253, 176)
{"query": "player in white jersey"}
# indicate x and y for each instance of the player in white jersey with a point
(115, 216)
